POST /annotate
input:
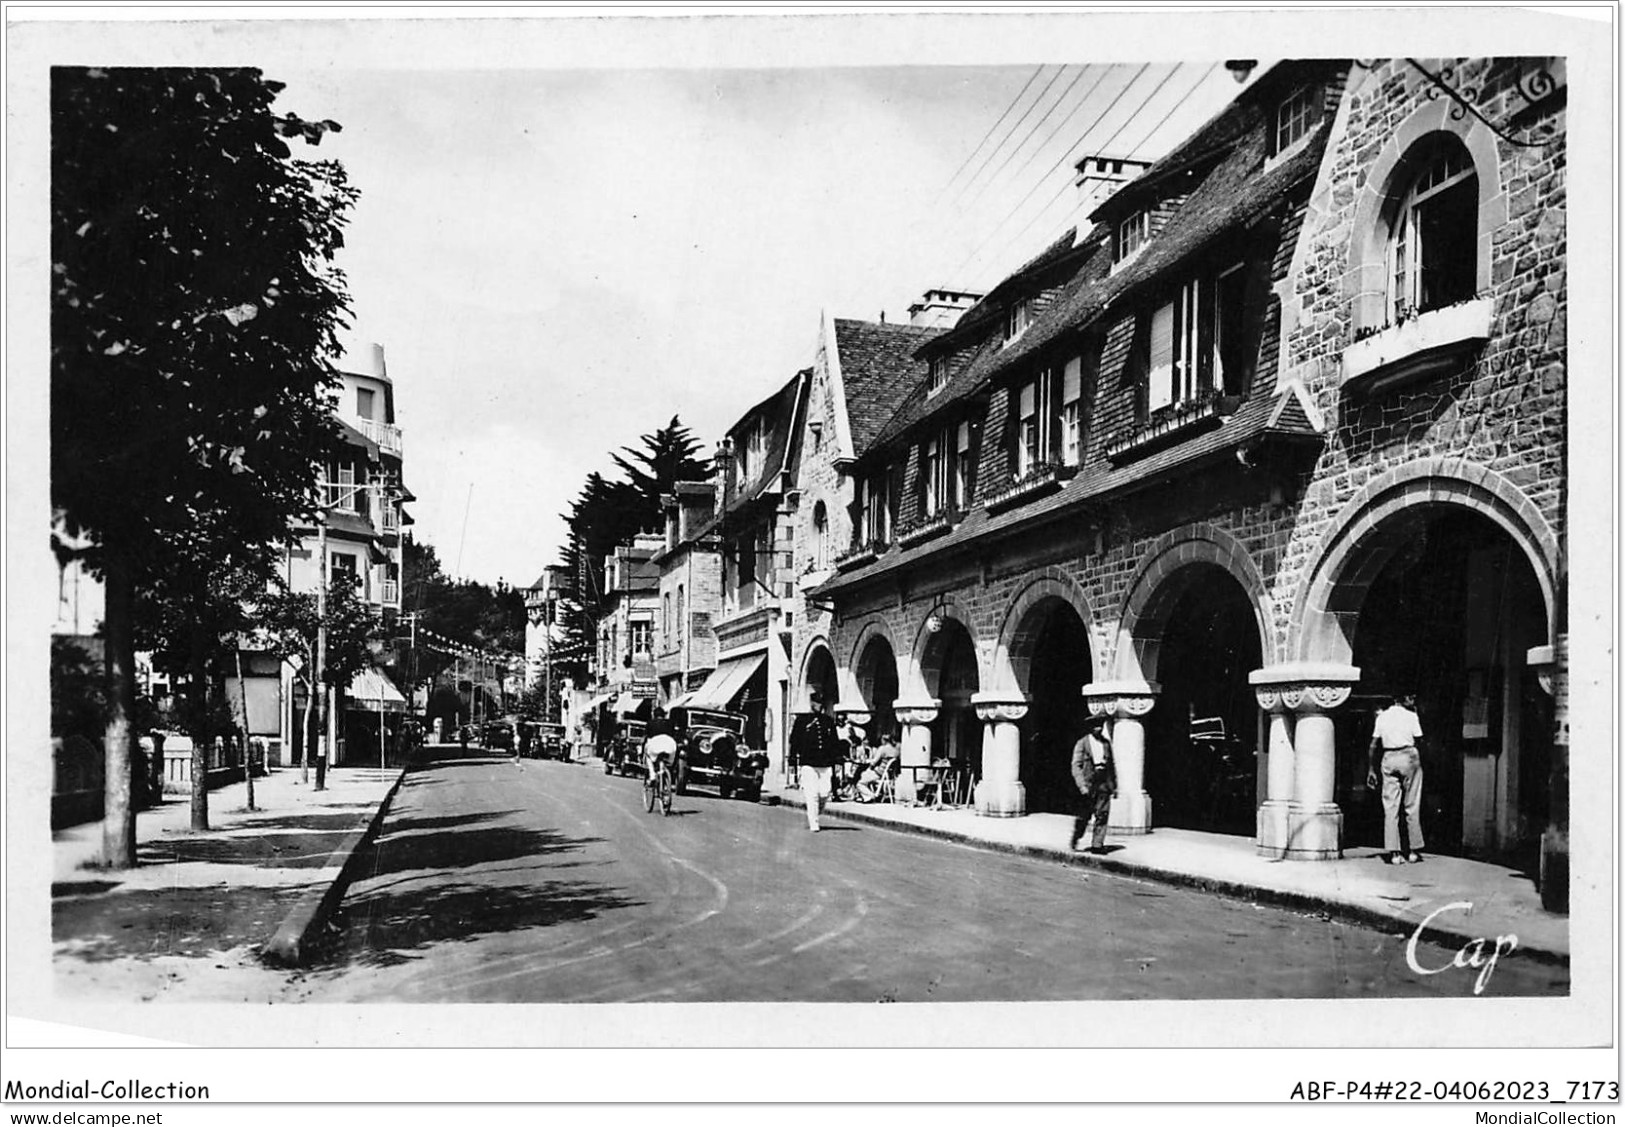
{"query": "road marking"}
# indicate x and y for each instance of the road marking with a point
(862, 910)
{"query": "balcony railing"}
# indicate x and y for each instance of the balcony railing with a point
(386, 435)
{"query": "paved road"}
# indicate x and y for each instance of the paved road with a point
(496, 880)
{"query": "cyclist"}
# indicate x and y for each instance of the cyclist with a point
(659, 745)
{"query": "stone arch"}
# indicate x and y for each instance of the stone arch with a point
(817, 647)
(1388, 178)
(1009, 668)
(1151, 597)
(851, 687)
(1371, 526)
(926, 657)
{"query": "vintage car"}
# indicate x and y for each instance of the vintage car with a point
(624, 753)
(497, 734)
(550, 741)
(712, 752)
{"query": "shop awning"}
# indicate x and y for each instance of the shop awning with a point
(371, 690)
(726, 682)
(626, 703)
(598, 700)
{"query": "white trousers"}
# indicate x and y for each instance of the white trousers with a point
(815, 782)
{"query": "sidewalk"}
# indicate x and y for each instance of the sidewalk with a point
(1357, 887)
(200, 903)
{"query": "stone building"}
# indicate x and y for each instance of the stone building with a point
(861, 372)
(624, 684)
(757, 464)
(690, 591)
(1281, 433)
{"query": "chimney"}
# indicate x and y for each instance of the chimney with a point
(1099, 177)
(940, 309)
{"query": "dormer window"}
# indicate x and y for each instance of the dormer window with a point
(939, 375)
(1131, 234)
(1017, 318)
(1295, 119)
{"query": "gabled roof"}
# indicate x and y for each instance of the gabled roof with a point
(781, 410)
(878, 371)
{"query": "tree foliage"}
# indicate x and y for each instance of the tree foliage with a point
(194, 306)
(466, 611)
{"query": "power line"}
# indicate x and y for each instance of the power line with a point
(1047, 115)
(1039, 69)
(1105, 145)
(1011, 214)
(1059, 126)
(1135, 148)
(966, 186)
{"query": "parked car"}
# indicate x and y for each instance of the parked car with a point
(712, 752)
(624, 753)
(497, 735)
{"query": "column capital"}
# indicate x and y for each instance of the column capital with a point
(1007, 705)
(1303, 686)
(916, 710)
(855, 715)
(1121, 699)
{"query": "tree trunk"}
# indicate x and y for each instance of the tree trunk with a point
(201, 737)
(118, 815)
(242, 696)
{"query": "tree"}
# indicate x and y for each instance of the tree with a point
(471, 614)
(194, 308)
(667, 457)
(291, 622)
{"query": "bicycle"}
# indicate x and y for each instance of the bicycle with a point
(657, 786)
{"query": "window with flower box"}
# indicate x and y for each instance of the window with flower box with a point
(1196, 343)
(1434, 249)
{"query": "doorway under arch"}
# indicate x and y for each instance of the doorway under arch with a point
(1201, 766)
(1446, 605)
(951, 676)
(877, 681)
(1051, 659)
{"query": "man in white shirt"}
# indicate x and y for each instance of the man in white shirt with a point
(1397, 738)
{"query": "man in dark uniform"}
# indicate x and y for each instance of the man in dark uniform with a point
(817, 747)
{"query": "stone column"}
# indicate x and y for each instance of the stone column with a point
(1310, 691)
(1127, 703)
(916, 715)
(1272, 814)
(1000, 794)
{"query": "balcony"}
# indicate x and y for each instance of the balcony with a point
(386, 435)
(1413, 349)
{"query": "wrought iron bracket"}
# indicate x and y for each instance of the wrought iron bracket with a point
(1534, 86)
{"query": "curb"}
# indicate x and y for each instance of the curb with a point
(1255, 894)
(295, 938)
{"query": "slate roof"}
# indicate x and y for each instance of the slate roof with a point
(1260, 419)
(991, 306)
(878, 371)
(780, 409)
(975, 371)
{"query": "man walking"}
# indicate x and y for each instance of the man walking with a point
(1397, 737)
(1096, 777)
(816, 746)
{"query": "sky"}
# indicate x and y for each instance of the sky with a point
(558, 261)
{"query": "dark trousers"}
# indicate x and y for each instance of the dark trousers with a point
(1098, 805)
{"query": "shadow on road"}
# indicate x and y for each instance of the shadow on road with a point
(385, 927)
